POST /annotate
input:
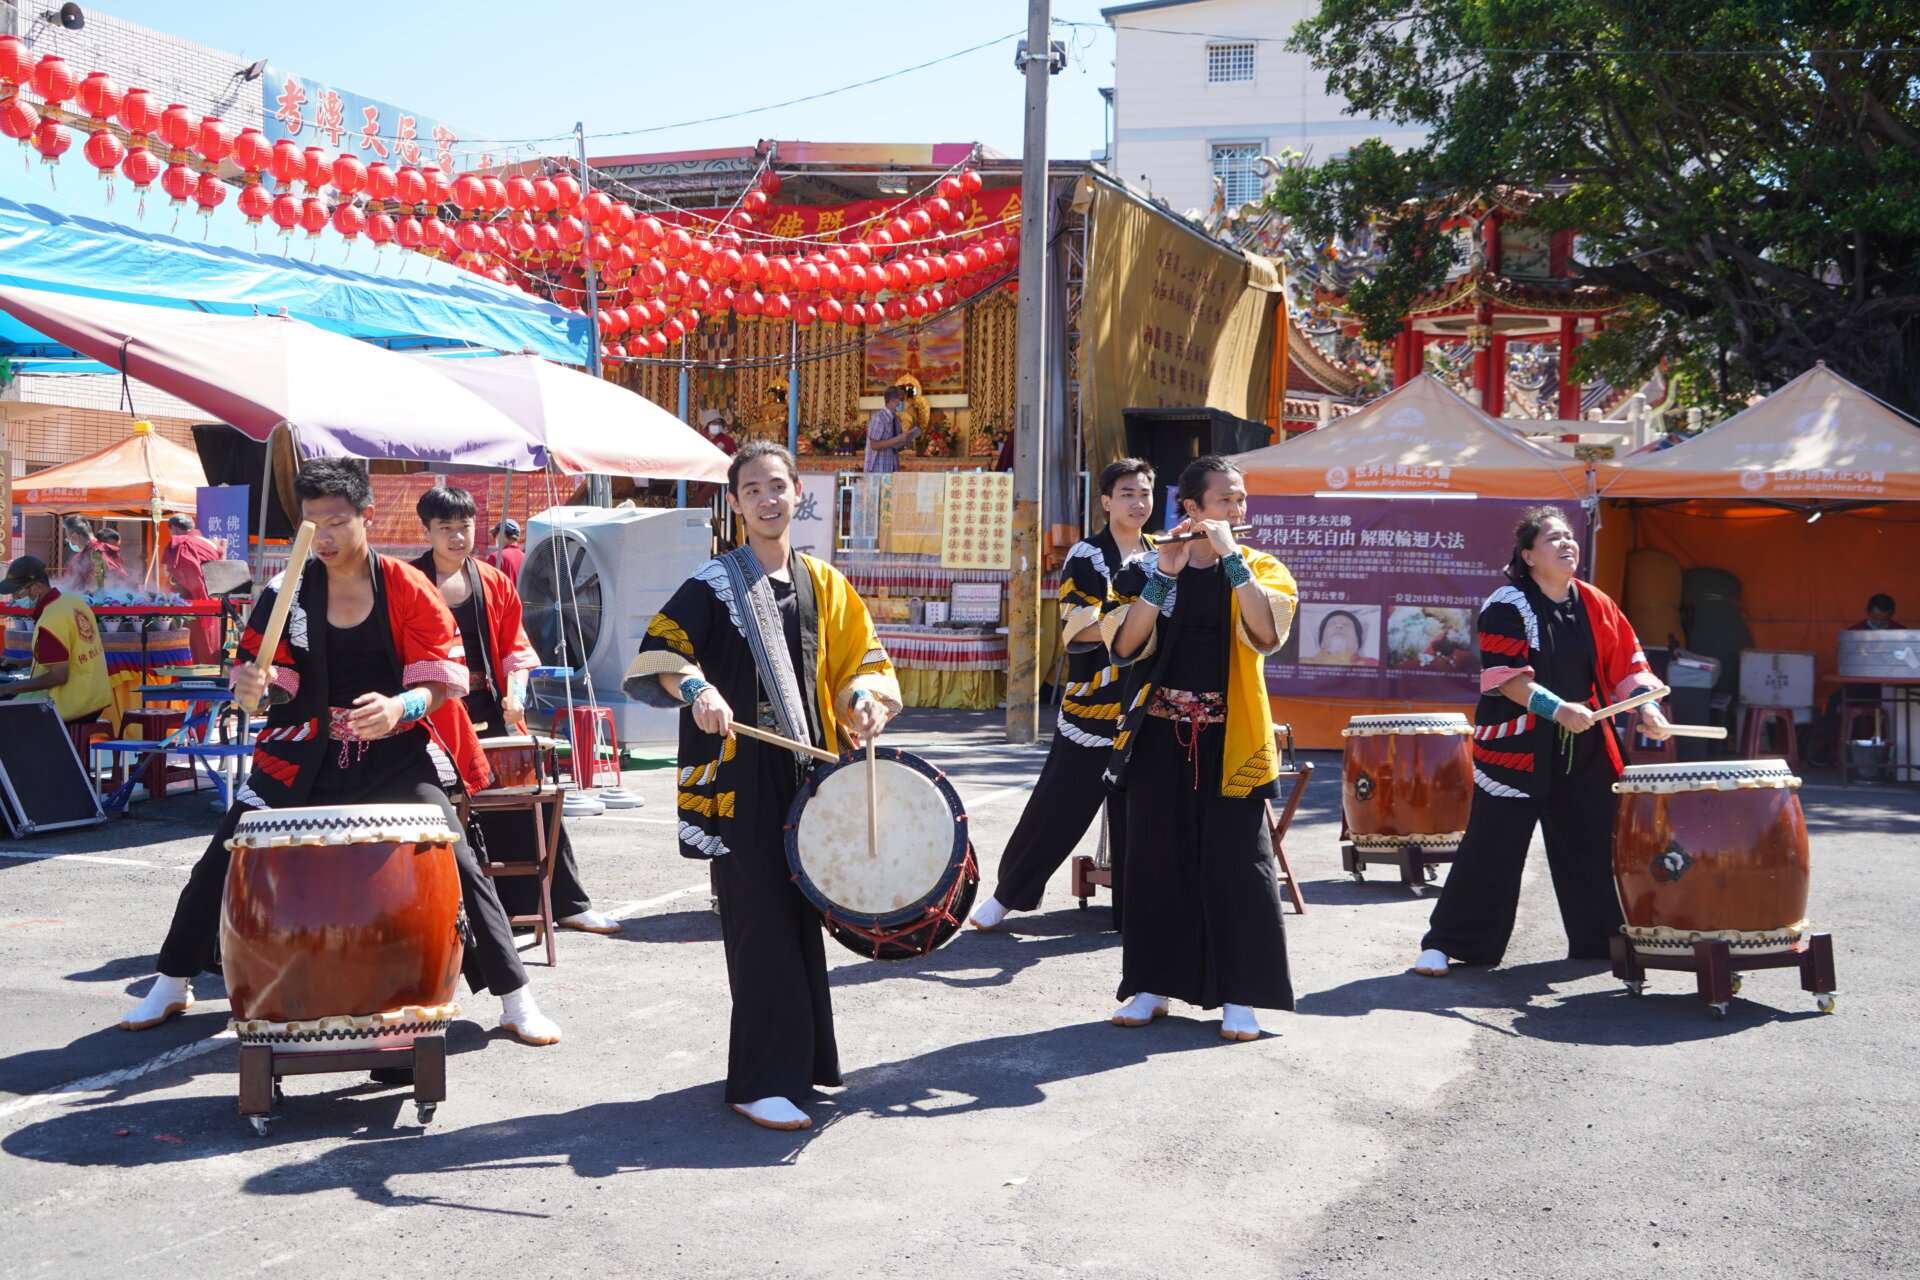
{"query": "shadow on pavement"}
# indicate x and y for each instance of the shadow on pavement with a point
(1377, 890)
(686, 1129)
(994, 958)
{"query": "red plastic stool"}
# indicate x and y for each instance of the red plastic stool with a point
(598, 762)
(1753, 733)
(154, 724)
(81, 732)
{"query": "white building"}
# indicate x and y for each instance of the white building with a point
(1202, 88)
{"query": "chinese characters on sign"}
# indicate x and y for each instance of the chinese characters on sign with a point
(220, 512)
(812, 530)
(977, 526)
(312, 113)
(1390, 590)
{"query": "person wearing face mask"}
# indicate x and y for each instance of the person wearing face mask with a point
(69, 662)
(715, 422)
(1552, 649)
(1069, 793)
(87, 564)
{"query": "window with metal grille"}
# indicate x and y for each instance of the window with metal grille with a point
(1229, 62)
(1233, 165)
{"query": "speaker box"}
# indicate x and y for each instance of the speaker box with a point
(1171, 438)
(42, 786)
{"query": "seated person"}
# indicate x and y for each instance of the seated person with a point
(69, 661)
(1879, 617)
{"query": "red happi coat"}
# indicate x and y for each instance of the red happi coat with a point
(1510, 742)
(507, 648)
(424, 643)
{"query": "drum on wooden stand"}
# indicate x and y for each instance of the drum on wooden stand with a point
(1711, 851)
(518, 763)
(340, 928)
(1406, 784)
(909, 896)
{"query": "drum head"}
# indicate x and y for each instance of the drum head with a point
(1706, 775)
(1411, 722)
(342, 825)
(919, 833)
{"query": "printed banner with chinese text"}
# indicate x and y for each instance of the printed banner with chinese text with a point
(978, 529)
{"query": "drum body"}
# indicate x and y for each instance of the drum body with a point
(1406, 781)
(1711, 851)
(517, 763)
(341, 926)
(915, 894)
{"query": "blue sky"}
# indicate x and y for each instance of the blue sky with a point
(529, 70)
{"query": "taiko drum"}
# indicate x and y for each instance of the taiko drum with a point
(341, 926)
(1406, 781)
(1711, 851)
(516, 762)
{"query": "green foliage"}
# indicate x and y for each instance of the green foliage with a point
(1765, 205)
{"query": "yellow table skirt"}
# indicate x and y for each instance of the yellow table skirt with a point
(969, 690)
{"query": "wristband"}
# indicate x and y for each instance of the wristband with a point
(1158, 587)
(692, 687)
(1238, 574)
(859, 695)
(413, 706)
(1543, 702)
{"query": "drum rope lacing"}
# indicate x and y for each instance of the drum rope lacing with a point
(942, 914)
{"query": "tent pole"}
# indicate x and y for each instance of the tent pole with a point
(793, 389)
(686, 379)
(260, 543)
(599, 488)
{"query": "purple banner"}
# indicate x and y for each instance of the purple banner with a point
(1389, 591)
(220, 512)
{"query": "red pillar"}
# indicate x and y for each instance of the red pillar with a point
(1405, 365)
(1495, 399)
(1483, 363)
(1569, 390)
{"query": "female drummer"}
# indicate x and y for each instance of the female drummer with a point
(1196, 758)
(1552, 649)
(1069, 793)
(778, 639)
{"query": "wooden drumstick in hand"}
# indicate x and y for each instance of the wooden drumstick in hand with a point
(283, 600)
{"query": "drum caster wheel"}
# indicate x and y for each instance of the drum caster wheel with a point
(1358, 877)
(260, 1125)
(423, 1111)
(1719, 1012)
(1636, 988)
(1083, 904)
(279, 1094)
(1824, 1000)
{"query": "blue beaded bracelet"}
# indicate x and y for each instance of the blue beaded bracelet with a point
(1158, 587)
(1238, 574)
(692, 687)
(1543, 702)
(413, 705)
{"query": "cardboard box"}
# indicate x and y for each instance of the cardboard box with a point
(1776, 678)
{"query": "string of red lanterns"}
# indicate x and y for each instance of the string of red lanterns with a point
(660, 274)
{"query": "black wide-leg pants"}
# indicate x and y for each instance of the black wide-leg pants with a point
(1203, 917)
(1474, 918)
(1065, 801)
(780, 1042)
(491, 963)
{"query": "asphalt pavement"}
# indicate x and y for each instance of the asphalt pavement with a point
(1528, 1121)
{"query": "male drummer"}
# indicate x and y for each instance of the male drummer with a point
(358, 713)
(778, 639)
(486, 608)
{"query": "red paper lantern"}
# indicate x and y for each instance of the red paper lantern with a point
(651, 231)
(858, 254)
(313, 215)
(571, 230)
(652, 273)
(285, 163)
(439, 187)
(408, 183)
(316, 170)
(178, 182)
(208, 192)
(407, 233)
(754, 202)
(754, 266)
(598, 247)
(546, 240)
(778, 307)
(434, 235)
(468, 236)
(830, 311)
(896, 309)
(831, 278)
(779, 272)
(251, 150)
(673, 331)
(856, 313)
(467, 192)
(255, 203)
(880, 238)
(286, 211)
(566, 191)
(678, 243)
(749, 303)
(494, 241)
(51, 140)
(976, 257)
(594, 208)
(99, 96)
(104, 152)
(519, 193)
(138, 113)
(739, 218)
(720, 301)
(770, 182)
(899, 231)
(917, 305)
(950, 189)
(936, 268)
(348, 174)
(521, 237)
(939, 211)
(54, 80)
(177, 127)
(380, 228)
(996, 251)
(806, 277)
(804, 312)
(493, 192)
(141, 167)
(381, 183)
(898, 277)
(546, 196)
(18, 119)
(213, 140)
(918, 273)
(969, 182)
(16, 63)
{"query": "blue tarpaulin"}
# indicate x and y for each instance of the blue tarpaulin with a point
(71, 238)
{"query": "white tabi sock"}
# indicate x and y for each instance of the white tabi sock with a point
(589, 921)
(988, 914)
(774, 1113)
(1140, 1010)
(1431, 964)
(166, 997)
(520, 1015)
(1238, 1023)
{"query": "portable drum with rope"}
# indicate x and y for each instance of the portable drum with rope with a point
(1405, 788)
(891, 889)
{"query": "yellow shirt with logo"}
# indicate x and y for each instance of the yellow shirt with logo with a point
(66, 631)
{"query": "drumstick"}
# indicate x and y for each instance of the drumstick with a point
(1196, 536)
(283, 599)
(804, 749)
(1714, 731)
(873, 802)
(1627, 704)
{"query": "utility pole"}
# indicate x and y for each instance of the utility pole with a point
(1030, 415)
(599, 488)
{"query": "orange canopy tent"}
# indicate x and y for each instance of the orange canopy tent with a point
(142, 476)
(1811, 497)
(1418, 439)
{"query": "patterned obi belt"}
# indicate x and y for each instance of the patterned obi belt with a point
(1191, 714)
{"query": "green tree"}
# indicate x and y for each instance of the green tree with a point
(1749, 169)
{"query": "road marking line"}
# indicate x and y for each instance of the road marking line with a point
(111, 1079)
(91, 857)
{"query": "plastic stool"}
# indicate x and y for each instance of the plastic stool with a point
(1753, 732)
(597, 763)
(1851, 714)
(154, 724)
(82, 732)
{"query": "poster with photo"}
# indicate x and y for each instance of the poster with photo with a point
(1389, 591)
